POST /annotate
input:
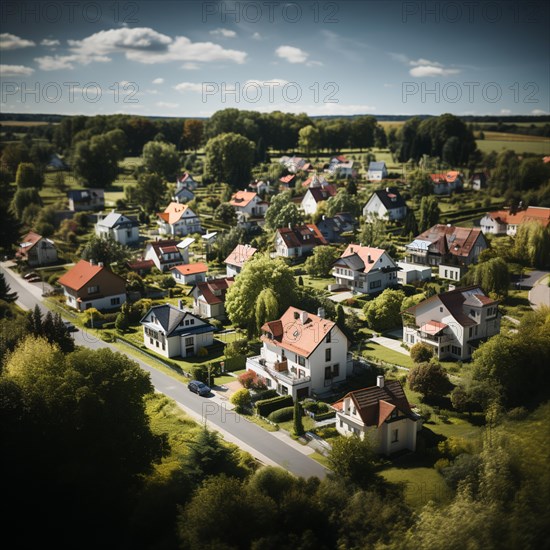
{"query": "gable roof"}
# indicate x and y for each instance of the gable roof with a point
(356, 257)
(114, 219)
(290, 333)
(449, 177)
(375, 404)
(242, 198)
(322, 193)
(389, 197)
(300, 235)
(186, 176)
(240, 254)
(173, 212)
(375, 166)
(214, 290)
(29, 240)
(530, 214)
(137, 265)
(315, 180)
(85, 195)
(191, 269)
(459, 241)
(170, 317)
(287, 179)
(83, 272)
(164, 247)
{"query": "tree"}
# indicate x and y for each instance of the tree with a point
(241, 400)
(320, 263)
(149, 192)
(5, 291)
(192, 133)
(162, 159)
(228, 158)
(421, 352)
(342, 202)
(429, 213)
(258, 274)
(351, 187)
(107, 251)
(374, 232)
(383, 313)
(420, 182)
(298, 426)
(282, 212)
(23, 198)
(309, 139)
(29, 176)
(354, 460)
(225, 213)
(532, 244)
(429, 379)
(266, 308)
(492, 275)
(122, 321)
(410, 227)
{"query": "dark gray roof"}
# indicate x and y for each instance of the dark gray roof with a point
(169, 318)
(115, 219)
(388, 201)
(377, 165)
(353, 262)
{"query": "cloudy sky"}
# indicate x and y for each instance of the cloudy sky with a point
(190, 58)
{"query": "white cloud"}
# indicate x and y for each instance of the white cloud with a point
(538, 112)
(292, 54)
(190, 66)
(275, 82)
(189, 87)
(226, 33)
(505, 112)
(15, 70)
(431, 70)
(158, 81)
(56, 62)
(257, 36)
(12, 42)
(50, 43)
(166, 104)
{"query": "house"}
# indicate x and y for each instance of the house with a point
(332, 228)
(377, 171)
(294, 164)
(88, 284)
(341, 167)
(178, 219)
(314, 196)
(260, 187)
(315, 180)
(183, 194)
(506, 222)
(56, 163)
(411, 273)
(36, 250)
(118, 227)
(295, 242)
(186, 180)
(166, 254)
(382, 414)
(174, 332)
(189, 274)
(235, 261)
(209, 297)
(445, 184)
(86, 199)
(364, 269)
(478, 181)
(141, 266)
(302, 354)
(386, 204)
(446, 244)
(249, 207)
(287, 181)
(453, 323)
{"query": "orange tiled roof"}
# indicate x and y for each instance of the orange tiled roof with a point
(79, 275)
(364, 252)
(530, 214)
(242, 198)
(191, 269)
(240, 254)
(173, 212)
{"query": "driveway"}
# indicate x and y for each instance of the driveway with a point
(532, 279)
(341, 296)
(539, 295)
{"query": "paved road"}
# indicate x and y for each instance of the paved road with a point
(269, 447)
(531, 280)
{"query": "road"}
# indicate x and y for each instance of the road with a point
(271, 448)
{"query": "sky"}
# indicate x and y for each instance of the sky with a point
(189, 59)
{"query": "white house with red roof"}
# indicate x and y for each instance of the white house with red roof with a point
(239, 256)
(186, 180)
(446, 183)
(249, 207)
(315, 195)
(287, 181)
(302, 354)
(294, 164)
(168, 253)
(297, 241)
(209, 297)
(90, 284)
(189, 274)
(365, 269)
(178, 219)
(453, 323)
(341, 167)
(36, 250)
(381, 413)
(507, 222)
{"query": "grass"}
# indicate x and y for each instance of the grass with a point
(382, 353)
(262, 423)
(516, 304)
(322, 459)
(540, 146)
(308, 422)
(319, 283)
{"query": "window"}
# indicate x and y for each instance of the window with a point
(150, 340)
(336, 370)
(115, 301)
(440, 310)
(189, 341)
(186, 322)
(301, 361)
(327, 339)
(163, 346)
(284, 390)
(470, 332)
(328, 373)
(394, 436)
(456, 350)
(328, 354)
(192, 321)
(375, 284)
(268, 382)
(93, 289)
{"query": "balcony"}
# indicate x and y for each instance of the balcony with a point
(436, 340)
(278, 370)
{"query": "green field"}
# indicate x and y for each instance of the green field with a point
(537, 145)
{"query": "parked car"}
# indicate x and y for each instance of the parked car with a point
(200, 388)
(69, 326)
(35, 279)
(30, 275)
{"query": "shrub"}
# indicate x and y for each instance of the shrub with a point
(241, 400)
(267, 406)
(281, 415)
(441, 463)
(429, 379)
(421, 352)
(324, 416)
(202, 352)
(247, 379)
(264, 395)
(236, 348)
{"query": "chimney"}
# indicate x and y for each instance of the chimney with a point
(380, 381)
(296, 315)
(181, 304)
(351, 249)
(289, 225)
(387, 189)
(369, 260)
(100, 264)
(92, 262)
(321, 312)
(303, 317)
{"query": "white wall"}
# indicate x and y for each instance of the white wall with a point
(98, 303)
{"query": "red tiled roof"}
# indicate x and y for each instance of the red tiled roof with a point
(307, 234)
(242, 198)
(459, 240)
(173, 212)
(530, 214)
(449, 177)
(191, 269)
(287, 179)
(79, 275)
(322, 193)
(29, 240)
(138, 265)
(240, 254)
(210, 289)
(364, 252)
(432, 327)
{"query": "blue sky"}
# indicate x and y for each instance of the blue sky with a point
(185, 58)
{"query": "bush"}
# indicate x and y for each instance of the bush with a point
(202, 352)
(325, 416)
(421, 352)
(247, 379)
(267, 406)
(236, 348)
(241, 400)
(264, 395)
(281, 415)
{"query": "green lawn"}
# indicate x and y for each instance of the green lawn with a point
(308, 422)
(540, 146)
(380, 353)
(516, 304)
(319, 283)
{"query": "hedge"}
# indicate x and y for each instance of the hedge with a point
(282, 415)
(324, 416)
(266, 406)
(232, 364)
(264, 395)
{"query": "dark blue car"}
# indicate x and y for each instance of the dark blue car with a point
(199, 388)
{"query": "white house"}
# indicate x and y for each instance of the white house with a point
(178, 219)
(36, 250)
(365, 269)
(341, 167)
(411, 273)
(260, 187)
(189, 274)
(295, 242)
(382, 414)
(453, 323)
(507, 222)
(386, 204)
(183, 194)
(239, 256)
(174, 332)
(118, 227)
(209, 297)
(249, 207)
(377, 171)
(186, 180)
(315, 195)
(302, 354)
(294, 164)
(166, 254)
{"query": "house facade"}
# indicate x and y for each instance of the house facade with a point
(314, 196)
(386, 204)
(178, 219)
(183, 194)
(507, 222)
(294, 164)
(445, 184)
(411, 273)
(86, 199)
(88, 285)
(446, 244)
(249, 207)
(341, 167)
(186, 180)
(333, 228)
(380, 413)
(167, 253)
(239, 256)
(453, 323)
(298, 241)
(209, 297)
(36, 250)
(302, 354)
(189, 274)
(118, 227)
(377, 171)
(174, 332)
(364, 269)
